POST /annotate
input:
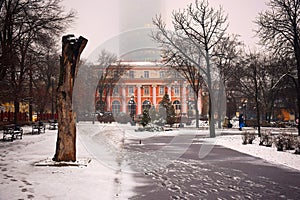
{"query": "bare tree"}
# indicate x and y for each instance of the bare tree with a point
(43, 75)
(111, 70)
(252, 83)
(189, 73)
(262, 79)
(197, 30)
(279, 29)
(276, 80)
(226, 56)
(84, 89)
(27, 30)
(99, 78)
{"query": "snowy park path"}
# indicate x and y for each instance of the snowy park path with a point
(223, 174)
(168, 165)
(136, 165)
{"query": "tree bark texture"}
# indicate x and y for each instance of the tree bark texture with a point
(66, 138)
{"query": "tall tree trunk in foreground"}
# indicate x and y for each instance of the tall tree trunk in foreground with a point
(66, 138)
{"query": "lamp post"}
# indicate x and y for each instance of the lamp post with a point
(132, 107)
(245, 109)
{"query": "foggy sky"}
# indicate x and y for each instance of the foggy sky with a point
(99, 20)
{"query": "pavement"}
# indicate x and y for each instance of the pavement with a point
(222, 174)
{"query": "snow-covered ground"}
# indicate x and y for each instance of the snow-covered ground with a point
(105, 177)
(20, 179)
(270, 154)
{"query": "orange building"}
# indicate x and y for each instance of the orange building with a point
(146, 83)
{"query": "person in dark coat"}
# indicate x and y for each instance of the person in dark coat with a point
(241, 121)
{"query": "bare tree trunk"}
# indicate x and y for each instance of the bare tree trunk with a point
(196, 97)
(66, 138)
(257, 99)
(30, 95)
(211, 117)
(297, 55)
(17, 110)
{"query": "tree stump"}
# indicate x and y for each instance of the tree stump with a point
(66, 137)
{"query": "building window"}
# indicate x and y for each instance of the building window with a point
(161, 74)
(161, 90)
(176, 91)
(131, 74)
(130, 90)
(116, 91)
(146, 74)
(116, 107)
(146, 91)
(177, 105)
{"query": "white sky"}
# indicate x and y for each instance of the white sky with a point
(98, 20)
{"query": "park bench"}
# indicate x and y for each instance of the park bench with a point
(53, 124)
(38, 128)
(11, 132)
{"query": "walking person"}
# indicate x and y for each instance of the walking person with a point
(241, 122)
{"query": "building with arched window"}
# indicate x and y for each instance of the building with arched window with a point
(145, 84)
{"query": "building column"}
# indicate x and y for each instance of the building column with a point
(200, 101)
(123, 99)
(184, 103)
(170, 92)
(139, 100)
(154, 95)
